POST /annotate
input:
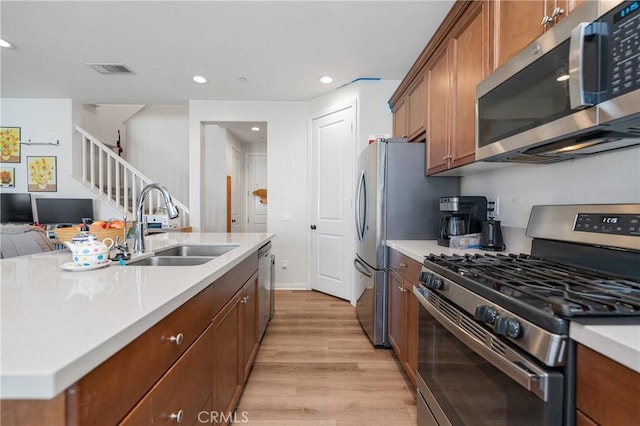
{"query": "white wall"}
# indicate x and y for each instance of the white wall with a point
(600, 178)
(213, 186)
(104, 121)
(46, 120)
(287, 174)
(373, 115)
(157, 145)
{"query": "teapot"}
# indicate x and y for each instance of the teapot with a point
(88, 251)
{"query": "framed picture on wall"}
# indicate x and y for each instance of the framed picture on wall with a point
(7, 177)
(42, 174)
(10, 144)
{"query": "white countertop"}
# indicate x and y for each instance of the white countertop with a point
(618, 342)
(58, 325)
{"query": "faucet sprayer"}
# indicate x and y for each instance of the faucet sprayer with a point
(172, 211)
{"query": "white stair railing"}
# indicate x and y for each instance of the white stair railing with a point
(117, 182)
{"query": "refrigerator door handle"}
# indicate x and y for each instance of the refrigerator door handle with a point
(362, 184)
(361, 267)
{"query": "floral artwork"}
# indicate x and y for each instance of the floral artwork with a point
(42, 174)
(10, 144)
(7, 177)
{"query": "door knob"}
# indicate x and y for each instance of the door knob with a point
(313, 227)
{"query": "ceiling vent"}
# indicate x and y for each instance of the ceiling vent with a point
(110, 68)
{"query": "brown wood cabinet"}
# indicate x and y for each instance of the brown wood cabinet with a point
(409, 116)
(607, 393)
(403, 311)
(417, 114)
(400, 120)
(453, 73)
(190, 366)
(475, 38)
(517, 23)
(181, 393)
(101, 398)
(227, 356)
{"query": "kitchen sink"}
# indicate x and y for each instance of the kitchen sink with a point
(196, 250)
(173, 261)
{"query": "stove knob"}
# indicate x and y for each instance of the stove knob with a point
(485, 314)
(507, 326)
(435, 283)
(424, 277)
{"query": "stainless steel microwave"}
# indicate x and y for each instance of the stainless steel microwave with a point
(575, 91)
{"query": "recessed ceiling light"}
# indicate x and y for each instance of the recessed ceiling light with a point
(243, 79)
(4, 43)
(326, 79)
(563, 77)
(199, 79)
(255, 128)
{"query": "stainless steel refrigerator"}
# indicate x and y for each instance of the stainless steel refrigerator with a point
(394, 201)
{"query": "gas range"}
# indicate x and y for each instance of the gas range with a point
(584, 274)
(499, 323)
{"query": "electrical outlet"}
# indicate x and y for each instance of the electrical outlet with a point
(284, 263)
(493, 206)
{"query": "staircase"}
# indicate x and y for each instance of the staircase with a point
(118, 183)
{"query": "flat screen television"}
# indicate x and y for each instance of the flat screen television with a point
(63, 211)
(16, 208)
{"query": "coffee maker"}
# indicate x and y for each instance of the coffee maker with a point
(460, 215)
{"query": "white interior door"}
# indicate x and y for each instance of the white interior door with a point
(257, 179)
(332, 218)
(236, 190)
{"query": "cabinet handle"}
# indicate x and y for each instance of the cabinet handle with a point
(557, 11)
(444, 157)
(402, 265)
(177, 339)
(546, 20)
(402, 289)
(244, 299)
(177, 417)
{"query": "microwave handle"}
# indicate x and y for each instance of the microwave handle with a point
(577, 96)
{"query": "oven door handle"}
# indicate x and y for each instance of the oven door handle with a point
(524, 372)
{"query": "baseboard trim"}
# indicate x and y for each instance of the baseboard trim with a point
(292, 286)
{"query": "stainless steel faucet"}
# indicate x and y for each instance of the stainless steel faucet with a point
(172, 211)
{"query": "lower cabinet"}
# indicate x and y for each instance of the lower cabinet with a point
(607, 393)
(235, 345)
(227, 356)
(183, 392)
(403, 311)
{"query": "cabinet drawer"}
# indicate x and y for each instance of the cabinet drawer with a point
(182, 393)
(228, 285)
(404, 265)
(606, 392)
(107, 393)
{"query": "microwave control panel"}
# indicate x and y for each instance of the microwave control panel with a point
(624, 47)
(618, 224)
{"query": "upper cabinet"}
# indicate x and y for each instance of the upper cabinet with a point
(436, 100)
(453, 73)
(409, 114)
(417, 115)
(400, 120)
(518, 23)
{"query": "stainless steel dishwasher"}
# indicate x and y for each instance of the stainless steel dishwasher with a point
(265, 287)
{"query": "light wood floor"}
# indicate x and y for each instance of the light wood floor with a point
(317, 367)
